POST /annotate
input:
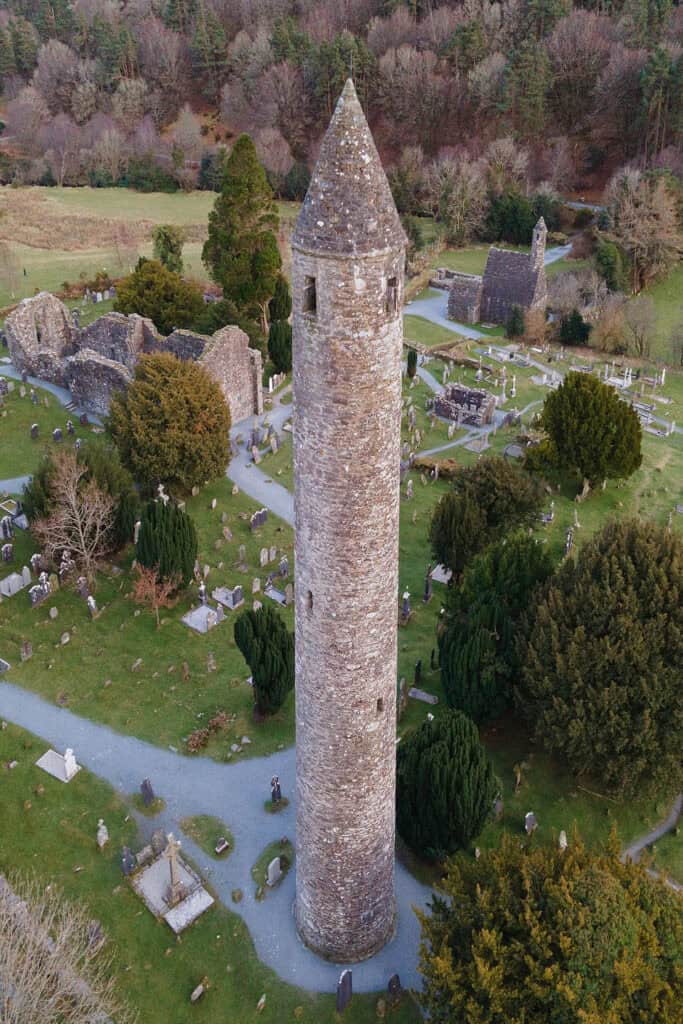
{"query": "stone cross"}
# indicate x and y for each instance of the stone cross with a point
(102, 834)
(70, 766)
(176, 889)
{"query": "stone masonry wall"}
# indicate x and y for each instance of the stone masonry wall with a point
(238, 369)
(464, 298)
(347, 407)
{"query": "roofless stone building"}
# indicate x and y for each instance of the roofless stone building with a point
(510, 279)
(347, 283)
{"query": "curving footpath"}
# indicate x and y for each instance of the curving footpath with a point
(235, 793)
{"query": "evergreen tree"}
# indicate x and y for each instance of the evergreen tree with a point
(445, 786)
(241, 251)
(551, 936)
(477, 649)
(168, 240)
(297, 180)
(280, 306)
(25, 45)
(488, 499)
(529, 82)
(172, 424)
(412, 362)
(573, 329)
(514, 325)
(163, 296)
(8, 64)
(609, 261)
(268, 649)
(209, 48)
(167, 541)
(602, 659)
(280, 345)
(510, 219)
(591, 430)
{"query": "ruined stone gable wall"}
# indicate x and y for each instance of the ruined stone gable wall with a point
(92, 379)
(119, 337)
(464, 298)
(237, 368)
(40, 335)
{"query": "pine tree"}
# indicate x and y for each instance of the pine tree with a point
(280, 345)
(592, 431)
(24, 45)
(209, 50)
(573, 329)
(412, 363)
(280, 306)
(241, 251)
(168, 240)
(167, 541)
(445, 786)
(268, 649)
(8, 64)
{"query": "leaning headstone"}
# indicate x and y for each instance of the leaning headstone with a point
(344, 990)
(147, 792)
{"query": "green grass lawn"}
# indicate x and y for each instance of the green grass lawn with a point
(155, 973)
(668, 854)
(282, 848)
(93, 672)
(206, 830)
(279, 466)
(416, 328)
(19, 455)
(668, 299)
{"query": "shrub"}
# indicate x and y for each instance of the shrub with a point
(412, 362)
(167, 541)
(268, 649)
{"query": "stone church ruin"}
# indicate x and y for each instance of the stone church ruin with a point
(510, 279)
(94, 361)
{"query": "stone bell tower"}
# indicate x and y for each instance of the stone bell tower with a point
(347, 284)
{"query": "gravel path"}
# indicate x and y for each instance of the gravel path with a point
(234, 793)
(248, 477)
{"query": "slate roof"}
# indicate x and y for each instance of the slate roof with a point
(349, 209)
(510, 277)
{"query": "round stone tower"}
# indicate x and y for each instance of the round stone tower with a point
(347, 286)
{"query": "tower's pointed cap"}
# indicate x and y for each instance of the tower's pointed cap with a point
(541, 225)
(349, 209)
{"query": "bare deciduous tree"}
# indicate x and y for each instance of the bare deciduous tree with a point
(152, 592)
(644, 222)
(80, 519)
(508, 164)
(640, 323)
(53, 969)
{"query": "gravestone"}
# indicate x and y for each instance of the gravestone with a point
(53, 613)
(274, 873)
(530, 823)
(289, 594)
(409, 489)
(344, 990)
(275, 790)
(263, 557)
(92, 607)
(57, 435)
(36, 561)
(70, 766)
(562, 842)
(83, 419)
(6, 528)
(274, 443)
(283, 568)
(26, 650)
(83, 588)
(7, 552)
(128, 862)
(102, 834)
(34, 431)
(147, 792)
(256, 606)
(227, 533)
(272, 554)
(395, 988)
(428, 586)
(256, 585)
(242, 554)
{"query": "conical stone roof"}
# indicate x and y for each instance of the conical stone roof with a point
(349, 209)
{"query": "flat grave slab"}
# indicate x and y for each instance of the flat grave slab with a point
(440, 574)
(275, 595)
(426, 698)
(200, 619)
(189, 910)
(56, 765)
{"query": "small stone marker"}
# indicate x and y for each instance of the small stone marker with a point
(26, 650)
(222, 845)
(426, 698)
(147, 792)
(562, 842)
(344, 990)
(128, 862)
(256, 585)
(102, 834)
(263, 557)
(289, 594)
(199, 991)
(394, 988)
(274, 873)
(530, 823)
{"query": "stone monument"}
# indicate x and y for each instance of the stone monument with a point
(348, 251)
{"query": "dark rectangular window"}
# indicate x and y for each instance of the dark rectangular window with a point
(392, 295)
(310, 298)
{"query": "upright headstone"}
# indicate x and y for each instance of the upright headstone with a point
(147, 792)
(344, 990)
(274, 873)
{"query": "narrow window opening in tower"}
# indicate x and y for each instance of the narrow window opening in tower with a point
(380, 705)
(310, 297)
(309, 601)
(392, 295)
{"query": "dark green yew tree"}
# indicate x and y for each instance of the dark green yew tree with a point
(602, 659)
(412, 362)
(268, 648)
(445, 786)
(593, 432)
(167, 539)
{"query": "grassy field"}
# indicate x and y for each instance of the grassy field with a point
(206, 830)
(19, 454)
(93, 672)
(52, 838)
